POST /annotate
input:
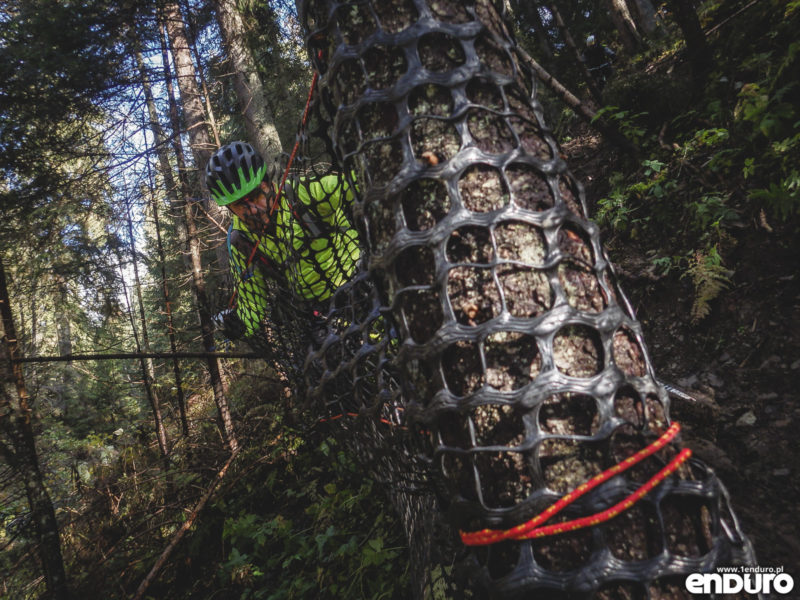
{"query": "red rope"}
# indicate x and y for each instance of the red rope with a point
(531, 528)
(354, 416)
(288, 164)
(296, 144)
(283, 179)
(380, 420)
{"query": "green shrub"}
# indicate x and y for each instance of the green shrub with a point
(323, 535)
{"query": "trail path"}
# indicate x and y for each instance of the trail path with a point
(742, 362)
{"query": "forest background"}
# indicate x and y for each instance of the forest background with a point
(161, 453)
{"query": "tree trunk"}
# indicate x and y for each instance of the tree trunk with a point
(621, 17)
(17, 423)
(258, 116)
(581, 109)
(180, 226)
(148, 371)
(165, 168)
(192, 38)
(576, 53)
(645, 16)
(33, 343)
(528, 10)
(204, 310)
(176, 369)
(696, 47)
(64, 387)
(63, 325)
(194, 119)
(521, 362)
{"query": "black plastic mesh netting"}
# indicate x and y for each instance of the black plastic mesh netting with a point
(309, 308)
(351, 383)
(484, 361)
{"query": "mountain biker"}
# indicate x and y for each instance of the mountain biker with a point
(303, 239)
(599, 59)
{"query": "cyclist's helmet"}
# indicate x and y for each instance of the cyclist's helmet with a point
(590, 41)
(233, 172)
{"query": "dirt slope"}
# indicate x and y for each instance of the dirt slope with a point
(742, 362)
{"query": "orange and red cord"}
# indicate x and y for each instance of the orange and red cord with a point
(532, 529)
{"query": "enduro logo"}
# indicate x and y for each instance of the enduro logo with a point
(732, 580)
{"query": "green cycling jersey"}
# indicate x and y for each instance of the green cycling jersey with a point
(310, 245)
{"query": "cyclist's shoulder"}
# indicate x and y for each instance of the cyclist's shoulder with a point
(314, 186)
(238, 231)
(242, 240)
(239, 238)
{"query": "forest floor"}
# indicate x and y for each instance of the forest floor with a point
(741, 362)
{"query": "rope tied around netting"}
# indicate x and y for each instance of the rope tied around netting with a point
(531, 529)
(354, 415)
(502, 330)
(279, 192)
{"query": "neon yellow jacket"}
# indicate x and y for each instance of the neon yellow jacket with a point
(314, 254)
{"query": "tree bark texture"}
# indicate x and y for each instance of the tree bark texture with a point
(212, 121)
(199, 288)
(165, 168)
(696, 47)
(645, 16)
(624, 24)
(194, 117)
(16, 421)
(576, 53)
(258, 116)
(193, 112)
(524, 370)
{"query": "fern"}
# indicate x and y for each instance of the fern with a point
(710, 278)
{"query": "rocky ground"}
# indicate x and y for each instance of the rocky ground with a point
(742, 363)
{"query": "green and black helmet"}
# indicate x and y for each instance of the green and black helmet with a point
(233, 172)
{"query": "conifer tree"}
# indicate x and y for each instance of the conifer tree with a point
(17, 422)
(257, 114)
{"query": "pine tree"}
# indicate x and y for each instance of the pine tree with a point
(257, 114)
(17, 425)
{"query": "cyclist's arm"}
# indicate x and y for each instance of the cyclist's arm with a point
(251, 292)
(326, 196)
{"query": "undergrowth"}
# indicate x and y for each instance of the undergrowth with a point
(726, 161)
(310, 526)
(294, 517)
(300, 520)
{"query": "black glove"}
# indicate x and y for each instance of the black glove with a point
(230, 324)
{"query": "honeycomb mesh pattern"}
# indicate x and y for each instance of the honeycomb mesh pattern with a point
(336, 351)
(487, 355)
(306, 250)
(351, 383)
